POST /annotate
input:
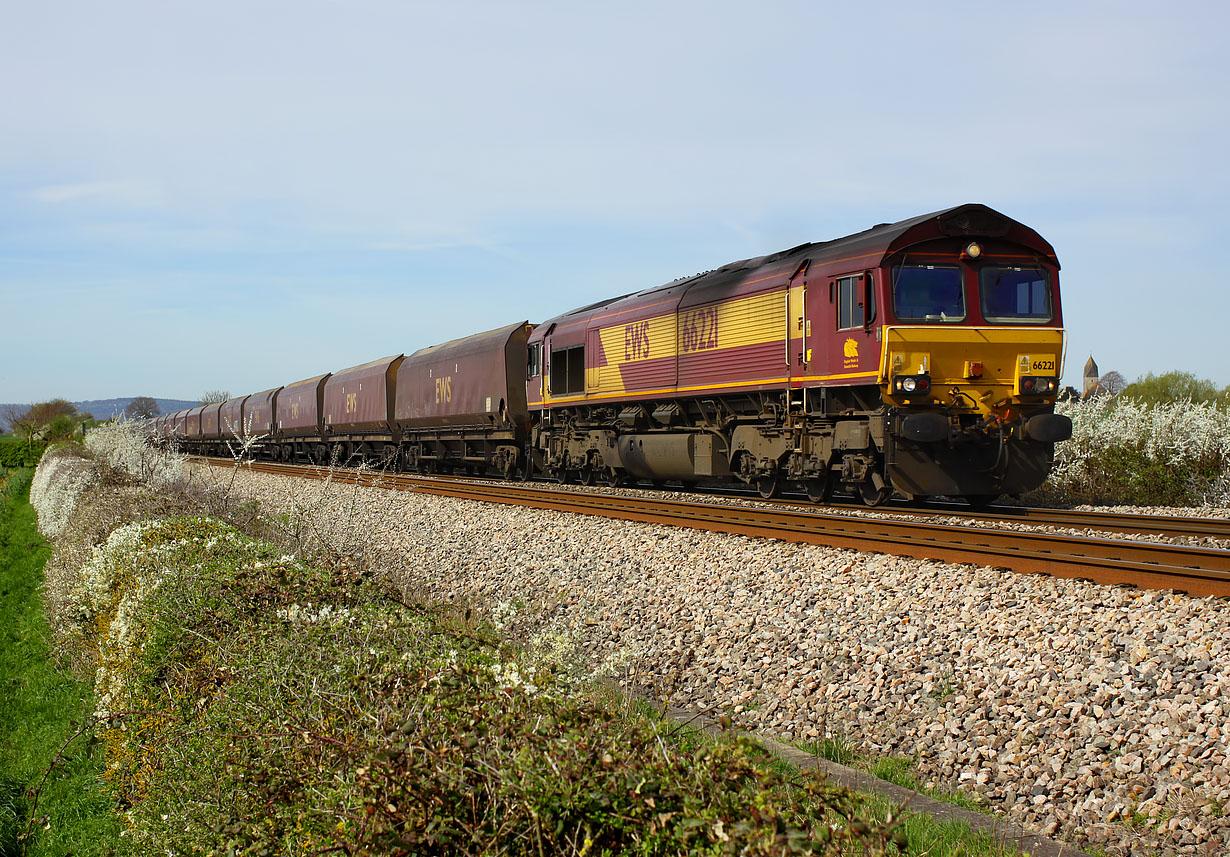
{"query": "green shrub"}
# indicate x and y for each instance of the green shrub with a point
(20, 453)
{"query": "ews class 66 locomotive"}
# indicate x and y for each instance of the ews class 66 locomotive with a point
(917, 358)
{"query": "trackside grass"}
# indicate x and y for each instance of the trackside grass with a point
(41, 708)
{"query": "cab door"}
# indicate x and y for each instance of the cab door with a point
(799, 356)
(852, 352)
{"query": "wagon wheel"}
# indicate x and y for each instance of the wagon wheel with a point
(873, 496)
(509, 471)
(769, 486)
(819, 489)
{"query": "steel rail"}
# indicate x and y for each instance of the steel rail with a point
(1198, 571)
(1107, 522)
(1180, 526)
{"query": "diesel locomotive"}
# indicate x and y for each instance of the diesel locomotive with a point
(915, 358)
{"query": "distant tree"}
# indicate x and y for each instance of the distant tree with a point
(11, 414)
(1172, 387)
(212, 397)
(142, 407)
(61, 427)
(1113, 382)
(34, 421)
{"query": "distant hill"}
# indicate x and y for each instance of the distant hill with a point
(105, 409)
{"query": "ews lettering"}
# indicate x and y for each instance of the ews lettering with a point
(636, 341)
(444, 389)
(352, 403)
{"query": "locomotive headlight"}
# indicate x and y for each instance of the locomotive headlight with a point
(1034, 385)
(912, 385)
(973, 250)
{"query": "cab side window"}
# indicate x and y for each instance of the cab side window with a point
(534, 364)
(855, 301)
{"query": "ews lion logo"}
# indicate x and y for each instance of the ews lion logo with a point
(851, 349)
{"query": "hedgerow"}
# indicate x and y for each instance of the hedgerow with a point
(1123, 451)
(59, 484)
(252, 703)
(20, 453)
(125, 446)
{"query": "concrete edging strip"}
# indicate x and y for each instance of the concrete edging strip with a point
(998, 829)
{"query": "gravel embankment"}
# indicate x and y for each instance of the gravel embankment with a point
(1091, 713)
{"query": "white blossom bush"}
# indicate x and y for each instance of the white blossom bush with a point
(1125, 451)
(126, 446)
(58, 485)
(112, 586)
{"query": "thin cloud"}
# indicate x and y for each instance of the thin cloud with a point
(123, 192)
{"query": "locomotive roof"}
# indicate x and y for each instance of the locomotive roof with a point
(870, 247)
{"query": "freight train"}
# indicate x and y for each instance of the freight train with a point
(916, 358)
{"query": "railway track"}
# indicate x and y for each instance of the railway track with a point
(1198, 571)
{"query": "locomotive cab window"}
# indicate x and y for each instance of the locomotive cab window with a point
(534, 363)
(568, 370)
(856, 301)
(928, 293)
(1015, 295)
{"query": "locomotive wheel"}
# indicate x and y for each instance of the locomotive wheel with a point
(561, 476)
(769, 486)
(873, 496)
(612, 478)
(586, 476)
(978, 502)
(819, 490)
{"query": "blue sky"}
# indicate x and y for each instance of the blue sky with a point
(240, 195)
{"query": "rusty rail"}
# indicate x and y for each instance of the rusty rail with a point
(1198, 571)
